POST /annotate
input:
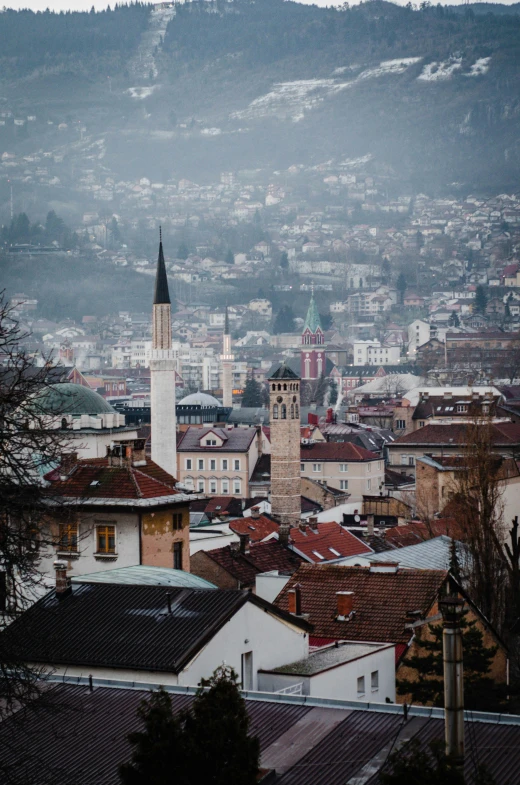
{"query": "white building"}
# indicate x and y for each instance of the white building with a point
(419, 332)
(374, 353)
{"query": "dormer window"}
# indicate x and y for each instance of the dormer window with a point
(211, 442)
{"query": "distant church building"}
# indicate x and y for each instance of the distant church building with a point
(162, 375)
(284, 418)
(313, 344)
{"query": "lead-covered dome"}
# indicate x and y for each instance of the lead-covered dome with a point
(199, 399)
(67, 398)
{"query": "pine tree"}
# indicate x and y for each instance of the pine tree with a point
(157, 757)
(284, 261)
(230, 257)
(401, 285)
(284, 321)
(252, 393)
(183, 251)
(480, 300)
(333, 392)
(480, 692)
(220, 749)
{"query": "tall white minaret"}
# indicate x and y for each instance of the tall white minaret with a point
(226, 359)
(162, 372)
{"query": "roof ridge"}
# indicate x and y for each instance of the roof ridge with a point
(136, 470)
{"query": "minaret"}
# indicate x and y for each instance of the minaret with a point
(284, 420)
(226, 358)
(162, 373)
(313, 339)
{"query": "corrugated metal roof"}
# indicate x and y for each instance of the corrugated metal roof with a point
(428, 555)
(82, 738)
(142, 575)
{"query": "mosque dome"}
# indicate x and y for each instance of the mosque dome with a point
(199, 399)
(72, 399)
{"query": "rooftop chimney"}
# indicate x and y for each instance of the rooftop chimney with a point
(255, 512)
(384, 566)
(303, 526)
(313, 522)
(127, 453)
(330, 415)
(67, 462)
(62, 582)
(294, 597)
(283, 533)
(452, 608)
(345, 601)
(244, 542)
(370, 525)
(447, 395)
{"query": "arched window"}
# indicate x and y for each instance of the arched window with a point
(292, 411)
(274, 387)
(279, 387)
(285, 387)
(64, 423)
(284, 411)
(275, 411)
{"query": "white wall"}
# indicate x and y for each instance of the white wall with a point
(268, 585)
(341, 682)
(272, 641)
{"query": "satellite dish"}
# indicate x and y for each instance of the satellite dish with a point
(357, 518)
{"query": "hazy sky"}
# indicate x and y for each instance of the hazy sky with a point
(82, 5)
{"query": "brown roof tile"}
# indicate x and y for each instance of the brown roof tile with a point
(95, 479)
(381, 600)
(330, 541)
(336, 451)
(501, 434)
(262, 557)
(257, 528)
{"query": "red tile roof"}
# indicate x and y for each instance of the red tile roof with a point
(257, 528)
(95, 479)
(262, 557)
(413, 533)
(336, 451)
(505, 434)
(330, 540)
(382, 601)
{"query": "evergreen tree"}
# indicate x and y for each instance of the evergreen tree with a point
(454, 320)
(230, 257)
(284, 321)
(183, 251)
(220, 749)
(252, 393)
(158, 750)
(480, 692)
(413, 765)
(401, 285)
(480, 300)
(333, 392)
(284, 261)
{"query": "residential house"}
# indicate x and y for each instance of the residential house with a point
(344, 466)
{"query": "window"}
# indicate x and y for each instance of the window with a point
(343, 467)
(188, 463)
(361, 685)
(284, 411)
(225, 486)
(177, 555)
(200, 463)
(177, 521)
(316, 467)
(213, 486)
(343, 484)
(211, 442)
(247, 670)
(462, 408)
(200, 485)
(411, 460)
(237, 465)
(369, 468)
(302, 467)
(400, 425)
(369, 485)
(213, 464)
(68, 537)
(379, 465)
(224, 464)
(275, 411)
(237, 487)
(374, 681)
(422, 423)
(106, 539)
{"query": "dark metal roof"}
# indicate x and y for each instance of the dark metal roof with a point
(118, 626)
(162, 295)
(304, 744)
(284, 372)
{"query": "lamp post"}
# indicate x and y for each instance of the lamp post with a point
(451, 608)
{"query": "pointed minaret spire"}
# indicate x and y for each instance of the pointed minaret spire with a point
(162, 295)
(227, 365)
(226, 322)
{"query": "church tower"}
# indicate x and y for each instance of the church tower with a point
(226, 358)
(162, 373)
(284, 419)
(313, 344)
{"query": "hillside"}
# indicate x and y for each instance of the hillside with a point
(433, 95)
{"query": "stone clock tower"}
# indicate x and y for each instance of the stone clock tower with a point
(284, 417)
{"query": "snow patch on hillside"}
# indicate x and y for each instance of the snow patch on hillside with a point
(388, 67)
(350, 163)
(293, 99)
(436, 71)
(139, 93)
(479, 67)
